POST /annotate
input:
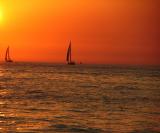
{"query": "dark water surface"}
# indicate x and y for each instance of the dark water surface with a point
(50, 98)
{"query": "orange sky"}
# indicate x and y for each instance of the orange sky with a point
(102, 31)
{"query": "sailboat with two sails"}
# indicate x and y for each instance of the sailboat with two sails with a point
(7, 56)
(69, 55)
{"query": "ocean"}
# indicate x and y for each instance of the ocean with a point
(57, 98)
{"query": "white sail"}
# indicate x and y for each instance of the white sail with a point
(7, 56)
(69, 55)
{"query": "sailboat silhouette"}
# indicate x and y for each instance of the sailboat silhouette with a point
(7, 56)
(69, 55)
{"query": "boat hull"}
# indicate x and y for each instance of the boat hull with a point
(9, 61)
(71, 63)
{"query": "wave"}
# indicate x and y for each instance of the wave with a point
(76, 129)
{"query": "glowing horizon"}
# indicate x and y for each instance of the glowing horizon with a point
(107, 32)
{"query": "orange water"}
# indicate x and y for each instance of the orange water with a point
(79, 99)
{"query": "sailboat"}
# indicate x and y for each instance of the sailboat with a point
(7, 56)
(69, 55)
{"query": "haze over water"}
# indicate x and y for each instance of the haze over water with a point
(79, 99)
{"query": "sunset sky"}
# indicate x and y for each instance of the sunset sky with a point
(102, 31)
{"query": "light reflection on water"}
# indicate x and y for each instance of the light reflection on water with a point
(85, 98)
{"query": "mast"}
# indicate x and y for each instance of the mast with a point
(69, 58)
(70, 52)
(6, 56)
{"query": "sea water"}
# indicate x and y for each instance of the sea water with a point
(55, 98)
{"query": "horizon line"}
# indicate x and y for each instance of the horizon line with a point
(87, 63)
